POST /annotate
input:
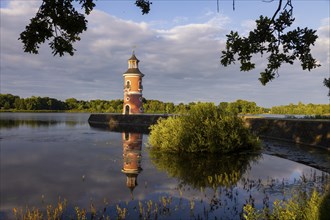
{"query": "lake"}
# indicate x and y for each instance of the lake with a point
(50, 156)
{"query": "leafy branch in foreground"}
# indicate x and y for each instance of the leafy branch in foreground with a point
(272, 38)
(326, 83)
(58, 22)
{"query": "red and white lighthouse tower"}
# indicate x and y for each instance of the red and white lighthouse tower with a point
(133, 87)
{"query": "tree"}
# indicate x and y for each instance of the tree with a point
(59, 22)
(7, 101)
(327, 84)
(272, 38)
(72, 103)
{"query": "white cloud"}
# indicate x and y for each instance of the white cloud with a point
(322, 44)
(18, 8)
(247, 26)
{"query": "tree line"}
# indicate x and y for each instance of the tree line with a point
(36, 103)
(302, 109)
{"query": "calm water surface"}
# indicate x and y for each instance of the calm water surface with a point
(45, 156)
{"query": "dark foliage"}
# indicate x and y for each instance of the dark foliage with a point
(327, 84)
(58, 22)
(144, 5)
(273, 39)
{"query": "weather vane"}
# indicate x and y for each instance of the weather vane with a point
(134, 47)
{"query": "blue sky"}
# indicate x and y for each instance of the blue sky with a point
(196, 11)
(179, 45)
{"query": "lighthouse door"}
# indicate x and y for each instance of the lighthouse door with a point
(127, 110)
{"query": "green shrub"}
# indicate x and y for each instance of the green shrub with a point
(206, 128)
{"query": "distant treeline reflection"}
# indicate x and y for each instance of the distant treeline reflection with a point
(11, 102)
(10, 123)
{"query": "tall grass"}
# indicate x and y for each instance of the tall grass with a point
(302, 205)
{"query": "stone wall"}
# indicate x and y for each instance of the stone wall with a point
(302, 131)
(121, 123)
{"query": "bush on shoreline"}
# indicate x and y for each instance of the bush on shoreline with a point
(205, 128)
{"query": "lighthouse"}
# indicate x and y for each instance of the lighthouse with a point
(133, 87)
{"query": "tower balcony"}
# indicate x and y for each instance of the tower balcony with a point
(133, 92)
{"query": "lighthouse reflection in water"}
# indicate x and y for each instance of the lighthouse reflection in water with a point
(132, 144)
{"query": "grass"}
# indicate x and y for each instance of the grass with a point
(324, 209)
(302, 205)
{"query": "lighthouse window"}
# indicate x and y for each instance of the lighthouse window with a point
(140, 85)
(127, 98)
(127, 109)
(141, 109)
(140, 99)
(132, 64)
(128, 84)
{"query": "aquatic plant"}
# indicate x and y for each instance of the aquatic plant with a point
(52, 212)
(305, 204)
(307, 199)
(205, 128)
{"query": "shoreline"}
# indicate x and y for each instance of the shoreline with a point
(306, 141)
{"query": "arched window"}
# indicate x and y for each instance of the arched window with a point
(127, 109)
(128, 84)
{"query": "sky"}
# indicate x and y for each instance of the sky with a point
(179, 46)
